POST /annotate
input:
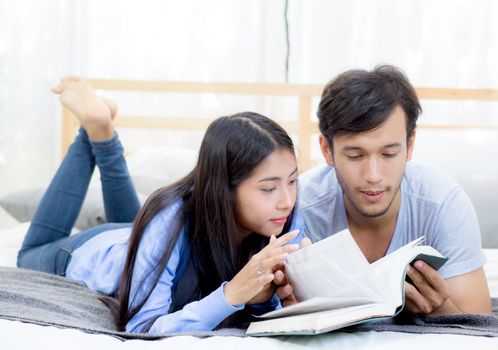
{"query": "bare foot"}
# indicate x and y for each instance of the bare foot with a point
(94, 113)
(112, 106)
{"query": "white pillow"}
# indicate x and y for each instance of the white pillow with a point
(491, 269)
(482, 190)
(149, 169)
(22, 205)
(10, 243)
(153, 168)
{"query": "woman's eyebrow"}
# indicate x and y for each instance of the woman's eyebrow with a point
(275, 178)
(293, 172)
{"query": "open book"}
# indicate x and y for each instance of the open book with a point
(337, 287)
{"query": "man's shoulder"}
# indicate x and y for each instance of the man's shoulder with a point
(320, 202)
(427, 183)
(316, 185)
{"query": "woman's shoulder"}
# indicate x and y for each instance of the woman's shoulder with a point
(166, 225)
(169, 213)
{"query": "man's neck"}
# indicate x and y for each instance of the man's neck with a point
(373, 234)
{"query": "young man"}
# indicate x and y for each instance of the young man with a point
(367, 123)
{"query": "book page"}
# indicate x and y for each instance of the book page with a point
(322, 277)
(317, 304)
(334, 267)
(320, 322)
(383, 266)
(393, 267)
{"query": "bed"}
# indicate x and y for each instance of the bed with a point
(151, 168)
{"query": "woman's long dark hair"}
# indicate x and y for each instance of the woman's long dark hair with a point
(232, 147)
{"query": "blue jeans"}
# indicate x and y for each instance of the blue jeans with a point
(48, 245)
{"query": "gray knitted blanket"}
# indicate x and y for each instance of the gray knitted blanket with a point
(44, 299)
(50, 300)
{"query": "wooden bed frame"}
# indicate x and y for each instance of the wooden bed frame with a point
(304, 127)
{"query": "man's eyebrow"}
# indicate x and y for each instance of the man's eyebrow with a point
(357, 148)
(275, 178)
(393, 145)
(351, 148)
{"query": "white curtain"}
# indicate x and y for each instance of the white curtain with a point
(192, 40)
(445, 43)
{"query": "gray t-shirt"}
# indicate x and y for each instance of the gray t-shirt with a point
(432, 205)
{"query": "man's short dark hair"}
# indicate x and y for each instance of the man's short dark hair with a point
(359, 100)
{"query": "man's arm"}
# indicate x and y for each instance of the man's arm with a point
(431, 294)
(453, 231)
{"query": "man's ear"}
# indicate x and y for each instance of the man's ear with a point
(326, 151)
(410, 143)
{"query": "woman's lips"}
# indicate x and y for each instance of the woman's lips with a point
(280, 221)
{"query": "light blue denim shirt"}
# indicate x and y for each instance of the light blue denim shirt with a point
(99, 263)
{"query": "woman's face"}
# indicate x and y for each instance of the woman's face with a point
(264, 201)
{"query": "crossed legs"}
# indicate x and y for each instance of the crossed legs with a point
(96, 144)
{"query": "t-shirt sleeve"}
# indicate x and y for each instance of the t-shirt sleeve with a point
(457, 235)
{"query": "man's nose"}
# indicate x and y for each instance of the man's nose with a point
(372, 171)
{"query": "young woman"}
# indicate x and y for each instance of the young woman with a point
(202, 252)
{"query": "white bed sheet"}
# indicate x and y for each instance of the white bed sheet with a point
(18, 335)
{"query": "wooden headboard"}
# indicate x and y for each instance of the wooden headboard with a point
(304, 127)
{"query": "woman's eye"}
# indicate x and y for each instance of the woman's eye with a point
(268, 190)
(390, 155)
(292, 182)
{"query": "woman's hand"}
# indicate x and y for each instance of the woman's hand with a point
(256, 276)
(283, 289)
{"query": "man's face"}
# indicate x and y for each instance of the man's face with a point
(370, 165)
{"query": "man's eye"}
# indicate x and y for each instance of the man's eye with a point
(355, 157)
(390, 155)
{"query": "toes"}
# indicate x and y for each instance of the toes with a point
(69, 79)
(57, 89)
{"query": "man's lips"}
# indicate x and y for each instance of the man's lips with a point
(280, 221)
(373, 195)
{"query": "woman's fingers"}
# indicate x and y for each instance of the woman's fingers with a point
(305, 242)
(267, 265)
(247, 284)
(277, 242)
(279, 245)
(252, 282)
(278, 254)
